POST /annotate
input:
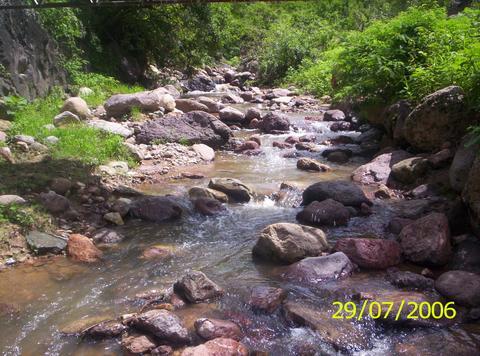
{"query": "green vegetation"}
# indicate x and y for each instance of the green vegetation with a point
(27, 217)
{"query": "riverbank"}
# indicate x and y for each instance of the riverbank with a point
(214, 185)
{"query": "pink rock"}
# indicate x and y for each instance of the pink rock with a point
(370, 253)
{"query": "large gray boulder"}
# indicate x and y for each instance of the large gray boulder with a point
(288, 243)
(327, 212)
(231, 116)
(111, 127)
(236, 191)
(147, 101)
(163, 324)
(156, 209)
(273, 123)
(441, 117)
(193, 127)
(460, 286)
(77, 106)
(196, 287)
(42, 243)
(344, 192)
(187, 105)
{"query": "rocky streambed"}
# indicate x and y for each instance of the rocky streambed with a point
(243, 250)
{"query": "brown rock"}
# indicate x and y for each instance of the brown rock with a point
(138, 345)
(370, 253)
(308, 164)
(209, 329)
(327, 212)
(266, 299)
(163, 324)
(81, 248)
(217, 347)
(196, 287)
(207, 206)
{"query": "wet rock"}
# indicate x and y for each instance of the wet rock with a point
(162, 350)
(209, 329)
(274, 123)
(219, 346)
(338, 156)
(427, 240)
(308, 164)
(246, 146)
(256, 138)
(466, 256)
(187, 105)
(422, 191)
(111, 127)
(80, 248)
(208, 206)
(163, 324)
(460, 286)
(342, 334)
(231, 98)
(397, 224)
(439, 342)
(409, 280)
(76, 106)
(281, 145)
(212, 105)
(156, 209)
(138, 345)
(286, 242)
(410, 169)
(54, 203)
(157, 252)
(235, 190)
(114, 218)
(107, 236)
(334, 115)
(193, 127)
(314, 270)
(266, 299)
(122, 206)
(66, 118)
(462, 163)
(147, 101)
(440, 117)
(199, 192)
(254, 124)
(306, 146)
(344, 192)
(11, 199)
(196, 287)
(205, 152)
(327, 212)
(471, 195)
(379, 169)
(106, 329)
(230, 115)
(370, 253)
(61, 185)
(340, 126)
(253, 113)
(371, 135)
(42, 243)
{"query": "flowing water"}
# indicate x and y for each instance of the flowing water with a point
(38, 302)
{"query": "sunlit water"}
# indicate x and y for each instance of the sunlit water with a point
(52, 294)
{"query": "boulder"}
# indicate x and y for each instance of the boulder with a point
(80, 248)
(138, 345)
(410, 169)
(122, 206)
(460, 286)
(114, 218)
(111, 127)
(162, 350)
(308, 164)
(441, 158)
(440, 117)
(199, 192)
(342, 334)
(66, 118)
(274, 123)
(208, 206)
(247, 146)
(61, 185)
(196, 287)
(252, 113)
(231, 98)
(288, 243)
(193, 127)
(157, 252)
(11, 199)
(266, 299)
(334, 115)
(205, 152)
(187, 105)
(42, 243)
(466, 256)
(106, 329)
(394, 120)
(217, 347)
(76, 106)
(107, 236)
(54, 203)
(378, 170)
(370, 253)
(344, 192)
(338, 156)
(462, 163)
(231, 116)
(146, 101)
(327, 212)
(471, 195)
(426, 241)
(340, 126)
(409, 280)
(235, 190)
(200, 82)
(315, 270)
(209, 329)
(212, 105)
(163, 324)
(156, 209)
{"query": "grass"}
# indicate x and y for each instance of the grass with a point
(27, 217)
(77, 142)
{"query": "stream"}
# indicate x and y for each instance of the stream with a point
(52, 294)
